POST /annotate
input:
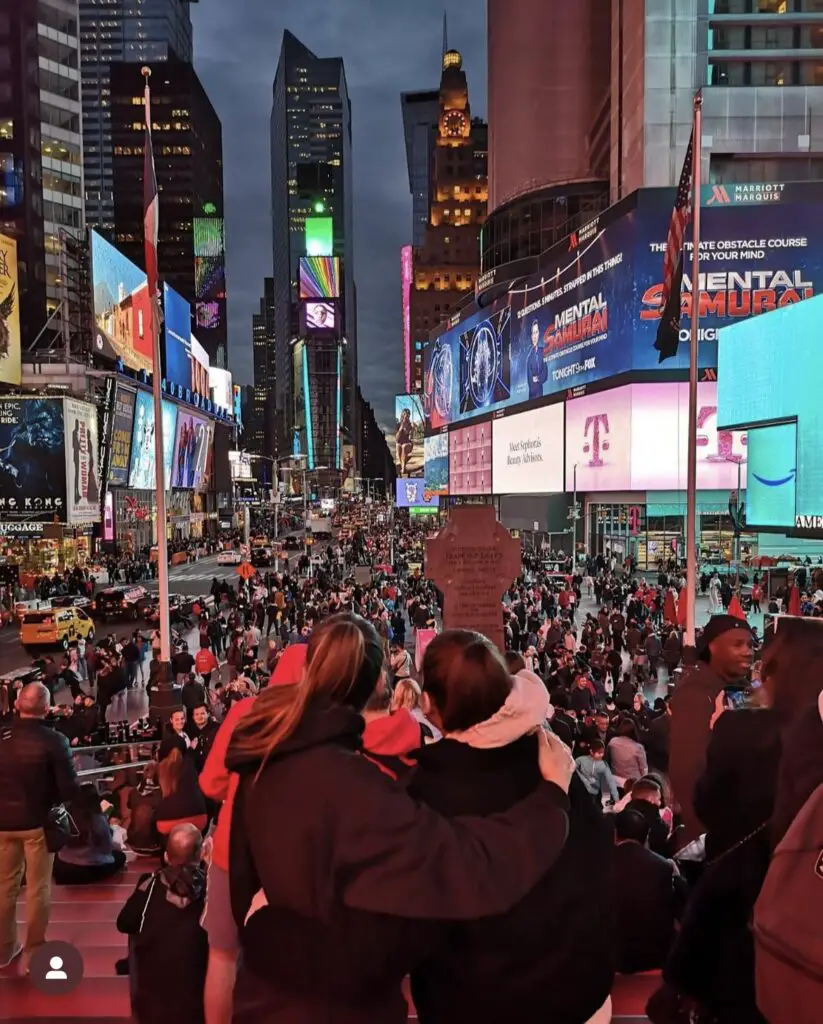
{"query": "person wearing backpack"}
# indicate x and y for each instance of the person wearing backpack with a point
(712, 966)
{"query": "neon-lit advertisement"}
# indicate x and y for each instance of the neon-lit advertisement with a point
(122, 310)
(319, 277)
(307, 410)
(142, 470)
(408, 435)
(406, 284)
(320, 316)
(598, 441)
(436, 455)
(414, 494)
(191, 451)
(200, 366)
(527, 452)
(470, 459)
(177, 333)
(319, 236)
(339, 433)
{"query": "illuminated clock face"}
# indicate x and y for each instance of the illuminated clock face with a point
(454, 123)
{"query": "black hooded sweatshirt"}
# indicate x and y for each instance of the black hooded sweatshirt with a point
(353, 871)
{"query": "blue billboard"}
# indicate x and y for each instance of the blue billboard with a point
(412, 492)
(141, 470)
(593, 310)
(769, 369)
(177, 335)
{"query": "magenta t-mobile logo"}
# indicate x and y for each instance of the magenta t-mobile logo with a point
(725, 438)
(598, 427)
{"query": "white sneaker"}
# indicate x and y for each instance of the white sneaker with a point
(18, 949)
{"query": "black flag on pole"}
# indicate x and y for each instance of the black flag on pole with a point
(668, 331)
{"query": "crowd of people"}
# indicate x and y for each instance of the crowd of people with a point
(337, 809)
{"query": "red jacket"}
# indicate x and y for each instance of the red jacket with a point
(205, 661)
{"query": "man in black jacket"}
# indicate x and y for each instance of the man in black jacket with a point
(36, 772)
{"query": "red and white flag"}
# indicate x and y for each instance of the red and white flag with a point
(151, 206)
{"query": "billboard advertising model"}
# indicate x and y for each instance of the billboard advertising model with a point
(141, 472)
(122, 426)
(122, 309)
(191, 451)
(177, 337)
(32, 459)
(408, 435)
(436, 463)
(527, 452)
(82, 462)
(470, 459)
(10, 353)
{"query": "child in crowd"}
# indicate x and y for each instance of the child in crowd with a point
(595, 773)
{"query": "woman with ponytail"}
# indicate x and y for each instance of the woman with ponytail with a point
(335, 872)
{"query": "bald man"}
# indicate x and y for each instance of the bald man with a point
(36, 773)
(168, 949)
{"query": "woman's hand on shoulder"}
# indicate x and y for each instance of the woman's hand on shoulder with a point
(554, 760)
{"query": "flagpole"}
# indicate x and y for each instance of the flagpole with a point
(691, 479)
(150, 242)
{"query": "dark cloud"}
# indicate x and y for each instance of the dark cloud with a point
(387, 48)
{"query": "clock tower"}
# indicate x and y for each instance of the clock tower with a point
(445, 267)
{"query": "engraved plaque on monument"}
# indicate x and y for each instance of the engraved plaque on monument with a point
(472, 561)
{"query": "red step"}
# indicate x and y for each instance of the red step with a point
(89, 912)
(94, 997)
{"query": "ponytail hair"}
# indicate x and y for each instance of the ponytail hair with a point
(343, 664)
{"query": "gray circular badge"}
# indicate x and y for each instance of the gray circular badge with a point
(56, 968)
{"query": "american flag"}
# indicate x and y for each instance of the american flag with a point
(150, 201)
(681, 215)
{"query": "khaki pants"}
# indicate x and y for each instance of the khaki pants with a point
(19, 849)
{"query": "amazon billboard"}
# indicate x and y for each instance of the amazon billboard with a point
(769, 373)
(592, 311)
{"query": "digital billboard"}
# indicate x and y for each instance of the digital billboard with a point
(413, 493)
(238, 404)
(122, 309)
(769, 372)
(32, 459)
(177, 335)
(321, 316)
(200, 366)
(209, 258)
(593, 310)
(527, 452)
(207, 315)
(319, 236)
(82, 462)
(409, 454)
(406, 273)
(10, 351)
(436, 463)
(220, 388)
(319, 277)
(141, 470)
(240, 463)
(635, 438)
(191, 451)
(122, 426)
(598, 440)
(771, 485)
(470, 459)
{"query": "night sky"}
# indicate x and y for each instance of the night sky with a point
(387, 48)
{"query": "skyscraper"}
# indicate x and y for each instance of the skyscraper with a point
(760, 65)
(420, 113)
(135, 31)
(316, 355)
(188, 157)
(61, 134)
(260, 431)
(446, 264)
(548, 123)
(21, 174)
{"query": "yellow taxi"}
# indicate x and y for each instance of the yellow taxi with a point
(53, 627)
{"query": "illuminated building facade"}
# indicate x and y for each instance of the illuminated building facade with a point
(260, 430)
(132, 31)
(445, 266)
(188, 156)
(21, 175)
(315, 367)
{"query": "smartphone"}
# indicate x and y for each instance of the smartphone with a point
(736, 699)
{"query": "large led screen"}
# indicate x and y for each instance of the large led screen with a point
(32, 459)
(191, 451)
(598, 441)
(220, 388)
(436, 468)
(415, 494)
(771, 484)
(319, 277)
(470, 459)
(408, 435)
(122, 309)
(527, 452)
(82, 462)
(141, 472)
(593, 310)
(319, 236)
(122, 427)
(10, 347)
(660, 433)
(320, 316)
(177, 335)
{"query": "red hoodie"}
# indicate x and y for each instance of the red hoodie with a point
(388, 739)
